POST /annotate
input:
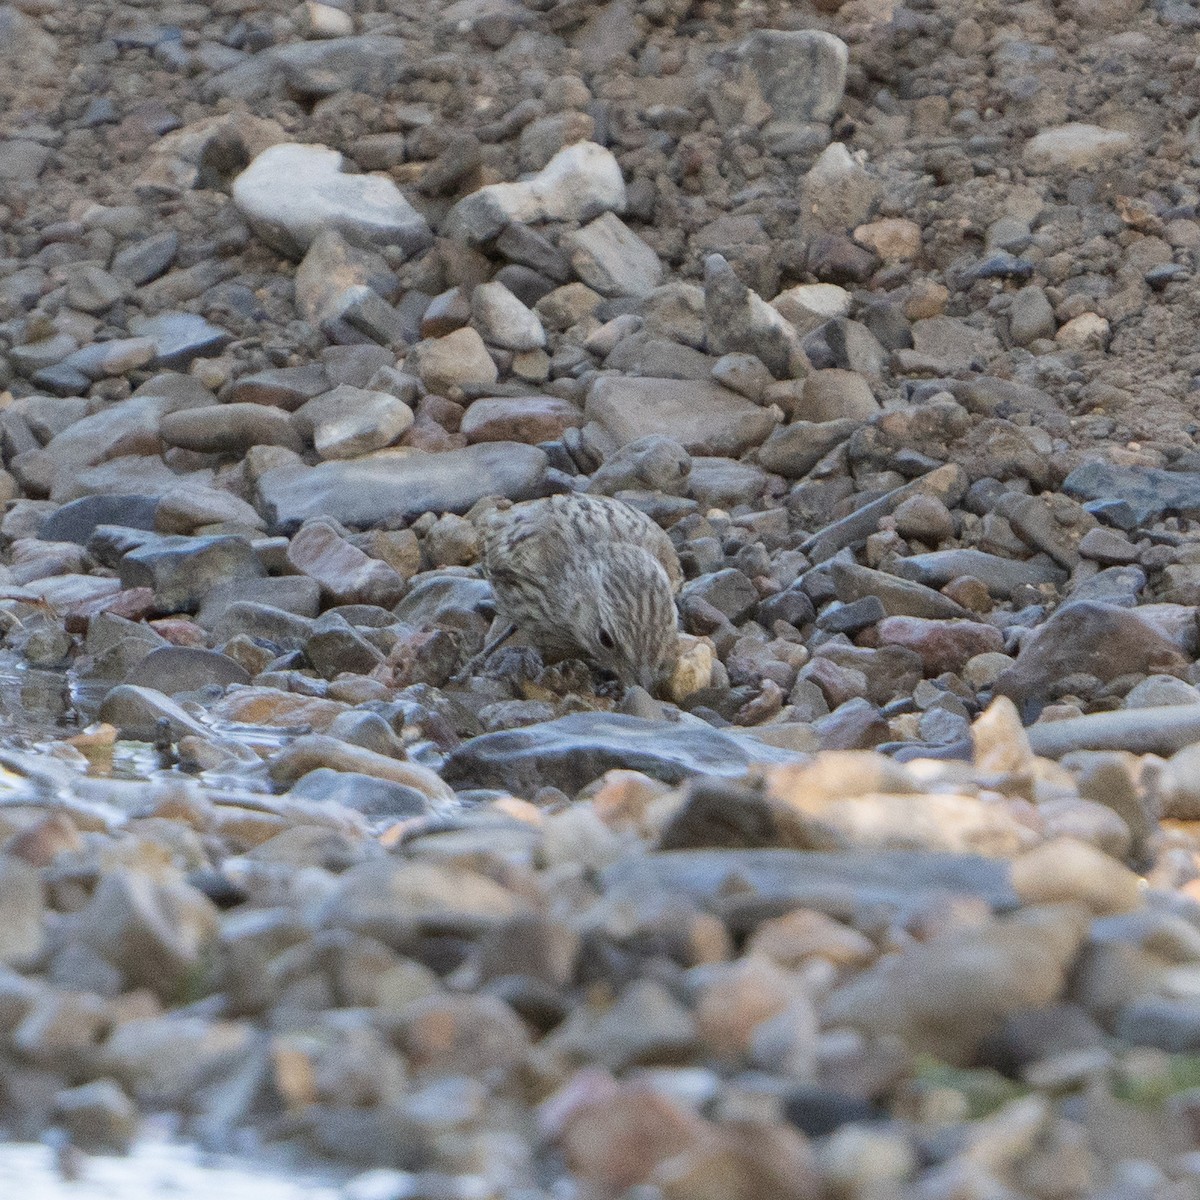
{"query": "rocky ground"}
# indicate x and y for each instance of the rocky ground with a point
(887, 314)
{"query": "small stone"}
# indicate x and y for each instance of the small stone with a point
(800, 74)
(924, 518)
(834, 395)
(504, 321)
(529, 419)
(893, 239)
(455, 360)
(99, 1116)
(1088, 331)
(809, 305)
(345, 573)
(738, 319)
(838, 192)
(348, 421)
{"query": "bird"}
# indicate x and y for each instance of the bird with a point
(588, 577)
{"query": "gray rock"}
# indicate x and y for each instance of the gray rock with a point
(609, 257)
(175, 669)
(182, 570)
(229, 429)
(263, 622)
(364, 793)
(22, 911)
(443, 598)
(98, 1116)
(140, 713)
(1031, 316)
(296, 594)
(349, 421)
(998, 575)
(1150, 492)
(291, 193)
(504, 321)
(842, 884)
(741, 320)
(22, 161)
(649, 357)
(652, 463)
(334, 646)
(729, 591)
(1086, 637)
(572, 751)
(180, 337)
(148, 258)
(1074, 147)
(399, 487)
(801, 74)
(77, 521)
(1163, 731)
(794, 449)
(703, 417)
(900, 597)
(838, 192)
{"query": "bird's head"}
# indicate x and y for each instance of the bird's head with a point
(627, 617)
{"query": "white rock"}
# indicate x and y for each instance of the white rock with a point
(291, 193)
(325, 21)
(579, 183)
(350, 421)
(1088, 331)
(811, 304)
(1074, 147)
(608, 256)
(504, 321)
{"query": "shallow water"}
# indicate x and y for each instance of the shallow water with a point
(157, 1171)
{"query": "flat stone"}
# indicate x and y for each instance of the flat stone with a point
(296, 594)
(572, 751)
(381, 798)
(794, 449)
(999, 575)
(528, 419)
(280, 387)
(1074, 147)
(1164, 731)
(1149, 491)
(77, 521)
(390, 488)
(900, 597)
(180, 337)
(704, 418)
(175, 669)
(455, 360)
(229, 429)
(181, 570)
(138, 712)
(290, 193)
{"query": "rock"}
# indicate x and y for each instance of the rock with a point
(1031, 316)
(1068, 871)
(794, 449)
(366, 794)
(738, 319)
(838, 192)
(503, 320)
(290, 193)
(1142, 731)
(345, 573)
(942, 645)
(1074, 147)
(229, 429)
(528, 419)
(179, 338)
(809, 305)
(900, 597)
(835, 395)
(77, 521)
(174, 669)
(334, 646)
(1086, 637)
(1088, 331)
(801, 74)
(141, 713)
(348, 421)
(610, 258)
(893, 239)
(651, 463)
(578, 184)
(702, 417)
(572, 751)
(392, 488)
(455, 360)
(181, 570)
(1148, 491)
(22, 908)
(999, 575)
(154, 933)
(945, 996)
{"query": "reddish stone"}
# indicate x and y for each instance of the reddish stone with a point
(530, 419)
(180, 632)
(942, 645)
(134, 604)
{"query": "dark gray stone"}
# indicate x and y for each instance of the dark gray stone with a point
(180, 337)
(182, 570)
(998, 575)
(1149, 491)
(364, 793)
(572, 751)
(77, 521)
(175, 669)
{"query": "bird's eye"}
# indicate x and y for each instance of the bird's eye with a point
(606, 639)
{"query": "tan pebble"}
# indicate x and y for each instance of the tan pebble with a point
(1066, 870)
(1001, 744)
(694, 669)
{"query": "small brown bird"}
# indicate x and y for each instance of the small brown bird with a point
(587, 577)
